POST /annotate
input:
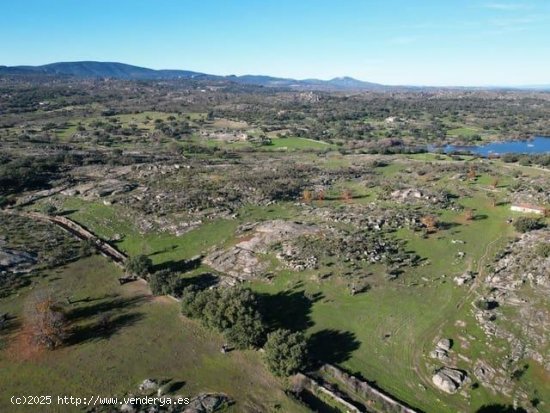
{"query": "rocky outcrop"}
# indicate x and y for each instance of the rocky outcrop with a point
(207, 403)
(441, 351)
(449, 380)
(464, 278)
(15, 260)
(242, 260)
(518, 291)
(203, 403)
(148, 385)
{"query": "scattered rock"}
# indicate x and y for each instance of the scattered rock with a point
(442, 348)
(127, 408)
(149, 385)
(207, 403)
(464, 278)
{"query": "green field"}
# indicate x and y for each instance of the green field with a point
(384, 335)
(395, 323)
(146, 338)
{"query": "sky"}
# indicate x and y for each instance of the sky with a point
(399, 42)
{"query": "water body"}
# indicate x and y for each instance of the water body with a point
(537, 145)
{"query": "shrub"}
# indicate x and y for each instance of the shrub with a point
(526, 224)
(49, 209)
(165, 282)
(285, 352)
(140, 265)
(46, 320)
(543, 250)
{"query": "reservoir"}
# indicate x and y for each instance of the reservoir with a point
(537, 145)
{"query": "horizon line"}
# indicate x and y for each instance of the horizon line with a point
(418, 85)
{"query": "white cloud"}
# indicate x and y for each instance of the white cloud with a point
(514, 22)
(507, 6)
(404, 40)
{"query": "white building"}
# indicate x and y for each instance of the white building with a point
(528, 208)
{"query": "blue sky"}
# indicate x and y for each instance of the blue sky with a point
(420, 42)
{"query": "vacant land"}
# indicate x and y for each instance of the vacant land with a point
(397, 266)
(146, 338)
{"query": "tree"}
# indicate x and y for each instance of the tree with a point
(494, 182)
(307, 196)
(468, 214)
(247, 331)
(49, 209)
(320, 195)
(232, 311)
(346, 195)
(47, 322)
(430, 222)
(543, 250)
(140, 265)
(166, 282)
(285, 352)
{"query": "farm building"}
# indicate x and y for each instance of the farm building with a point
(528, 208)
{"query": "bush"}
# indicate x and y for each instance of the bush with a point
(233, 311)
(87, 248)
(140, 265)
(285, 352)
(526, 224)
(4, 201)
(49, 209)
(165, 282)
(46, 320)
(543, 250)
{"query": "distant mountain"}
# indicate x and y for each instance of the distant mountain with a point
(130, 72)
(535, 87)
(100, 69)
(339, 83)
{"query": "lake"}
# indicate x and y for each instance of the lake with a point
(537, 145)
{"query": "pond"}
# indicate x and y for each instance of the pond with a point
(537, 145)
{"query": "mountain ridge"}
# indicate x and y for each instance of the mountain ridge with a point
(95, 69)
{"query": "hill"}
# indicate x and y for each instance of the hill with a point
(130, 72)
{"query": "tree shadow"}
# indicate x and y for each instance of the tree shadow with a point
(287, 309)
(447, 225)
(103, 328)
(500, 408)
(8, 326)
(179, 266)
(116, 303)
(480, 217)
(332, 346)
(165, 250)
(315, 403)
(89, 299)
(175, 386)
(66, 212)
(202, 281)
